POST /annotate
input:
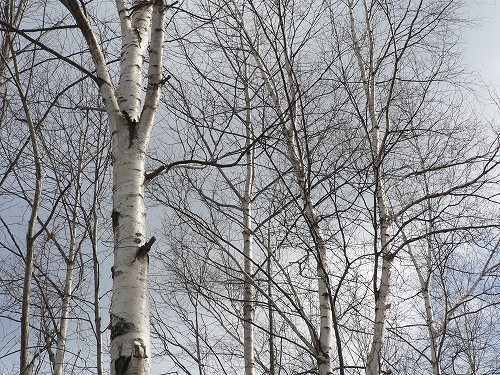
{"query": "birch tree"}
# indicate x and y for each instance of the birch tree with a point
(131, 122)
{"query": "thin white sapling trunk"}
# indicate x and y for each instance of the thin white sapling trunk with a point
(382, 285)
(296, 158)
(248, 237)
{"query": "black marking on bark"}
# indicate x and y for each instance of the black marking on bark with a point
(144, 249)
(132, 128)
(389, 256)
(121, 365)
(115, 273)
(121, 327)
(114, 216)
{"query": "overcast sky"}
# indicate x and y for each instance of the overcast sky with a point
(483, 42)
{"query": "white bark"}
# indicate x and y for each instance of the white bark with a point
(130, 126)
(425, 285)
(65, 309)
(130, 345)
(135, 27)
(381, 288)
(97, 293)
(96, 268)
(130, 301)
(296, 157)
(425, 278)
(249, 293)
(68, 286)
(382, 292)
(26, 365)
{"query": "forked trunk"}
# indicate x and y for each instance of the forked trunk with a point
(131, 124)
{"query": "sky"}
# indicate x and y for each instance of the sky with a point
(483, 42)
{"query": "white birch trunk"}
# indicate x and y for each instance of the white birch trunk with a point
(97, 294)
(130, 346)
(96, 267)
(131, 125)
(26, 365)
(64, 321)
(382, 292)
(434, 336)
(294, 153)
(382, 288)
(249, 292)
(68, 285)
(425, 286)
(130, 334)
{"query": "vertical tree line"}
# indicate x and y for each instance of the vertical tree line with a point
(322, 189)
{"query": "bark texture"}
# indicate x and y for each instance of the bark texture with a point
(131, 123)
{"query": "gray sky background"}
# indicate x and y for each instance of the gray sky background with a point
(483, 42)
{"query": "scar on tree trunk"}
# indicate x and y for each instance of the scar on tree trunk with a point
(143, 251)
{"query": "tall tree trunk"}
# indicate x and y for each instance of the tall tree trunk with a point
(131, 124)
(382, 286)
(296, 157)
(26, 365)
(272, 359)
(64, 321)
(95, 263)
(97, 293)
(249, 293)
(68, 284)
(130, 346)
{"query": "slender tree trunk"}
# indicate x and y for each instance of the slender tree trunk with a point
(272, 359)
(194, 302)
(96, 268)
(68, 284)
(382, 291)
(64, 321)
(382, 286)
(425, 282)
(97, 293)
(26, 365)
(295, 155)
(249, 293)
